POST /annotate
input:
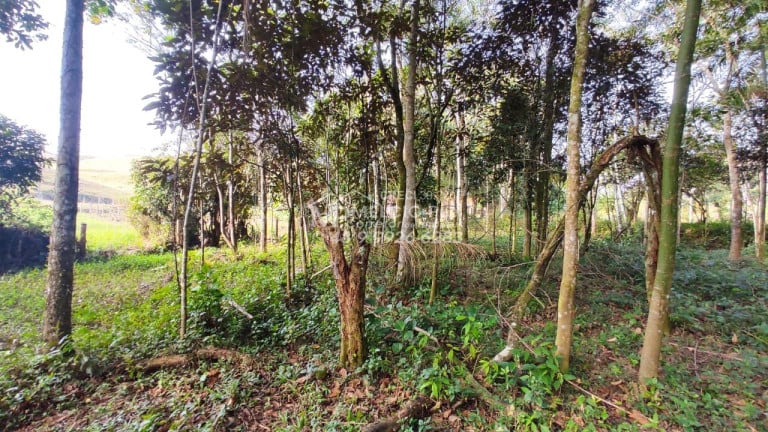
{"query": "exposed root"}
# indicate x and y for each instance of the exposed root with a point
(184, 360)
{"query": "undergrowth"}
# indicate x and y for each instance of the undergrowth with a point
(126, 311)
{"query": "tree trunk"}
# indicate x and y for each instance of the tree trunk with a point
(761, 197)
(201, 128)
(231, 198)
(544, 158)
(512, 214)
(350, 285)
(436, 231)
(57, 320)
(556, 236)
(650, 357)
(565, 309)
(409, 156)
(461, 177)
(737, 204)
(263, 202)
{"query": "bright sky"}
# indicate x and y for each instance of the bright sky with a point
(116, 76)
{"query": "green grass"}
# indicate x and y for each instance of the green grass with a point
(109, 235)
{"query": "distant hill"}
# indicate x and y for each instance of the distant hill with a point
(101, 180)
(105, 185)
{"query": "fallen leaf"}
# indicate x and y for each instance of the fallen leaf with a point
(335, 391)
(613, 339)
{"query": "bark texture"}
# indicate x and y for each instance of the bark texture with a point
(57, 320)
(565, 309)
(737, 201)
(350, 286)
(650, 357)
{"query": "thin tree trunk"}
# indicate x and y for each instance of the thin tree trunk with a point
(263, 202)
(306, 252)
(223, 223)
(409, 156)
(565, 308)
(436, 231)
(761, 197)
(650, 357)
(512, 214)
(57, 320)
(231, 197)
(203, 101)
(737, 204)
(461, 183)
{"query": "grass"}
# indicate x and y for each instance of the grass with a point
(103, 235)
(126, 310)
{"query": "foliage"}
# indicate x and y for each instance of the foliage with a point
(21, 24)
(711, 235)
(21, 153)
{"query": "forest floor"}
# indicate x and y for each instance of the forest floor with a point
(274, 367)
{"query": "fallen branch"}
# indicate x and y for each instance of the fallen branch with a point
(239, 308)
(634, 414)
(183, 360)
(712, 353)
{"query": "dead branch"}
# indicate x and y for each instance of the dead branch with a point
(239, 309)
(712, 353)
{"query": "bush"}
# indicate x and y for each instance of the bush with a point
(712, 235)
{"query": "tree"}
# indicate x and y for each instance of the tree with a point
(657, 312)
(565, 310)
(409, 156)
(20, 23)
(724, 59)
(57, 320)
(21, 161)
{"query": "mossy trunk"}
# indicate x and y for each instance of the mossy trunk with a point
(565, 308)
(650, 357)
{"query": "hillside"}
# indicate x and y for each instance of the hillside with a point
(101, 179)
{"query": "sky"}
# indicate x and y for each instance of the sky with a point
(116, 76)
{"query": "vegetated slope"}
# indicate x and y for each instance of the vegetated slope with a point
(714, 374)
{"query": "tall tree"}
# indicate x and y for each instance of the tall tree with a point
(724, 59)
(57, 320)
(409, 155)
(565, 310)
(657, 312)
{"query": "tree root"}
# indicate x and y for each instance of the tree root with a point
(184, 360)
(418, 408)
